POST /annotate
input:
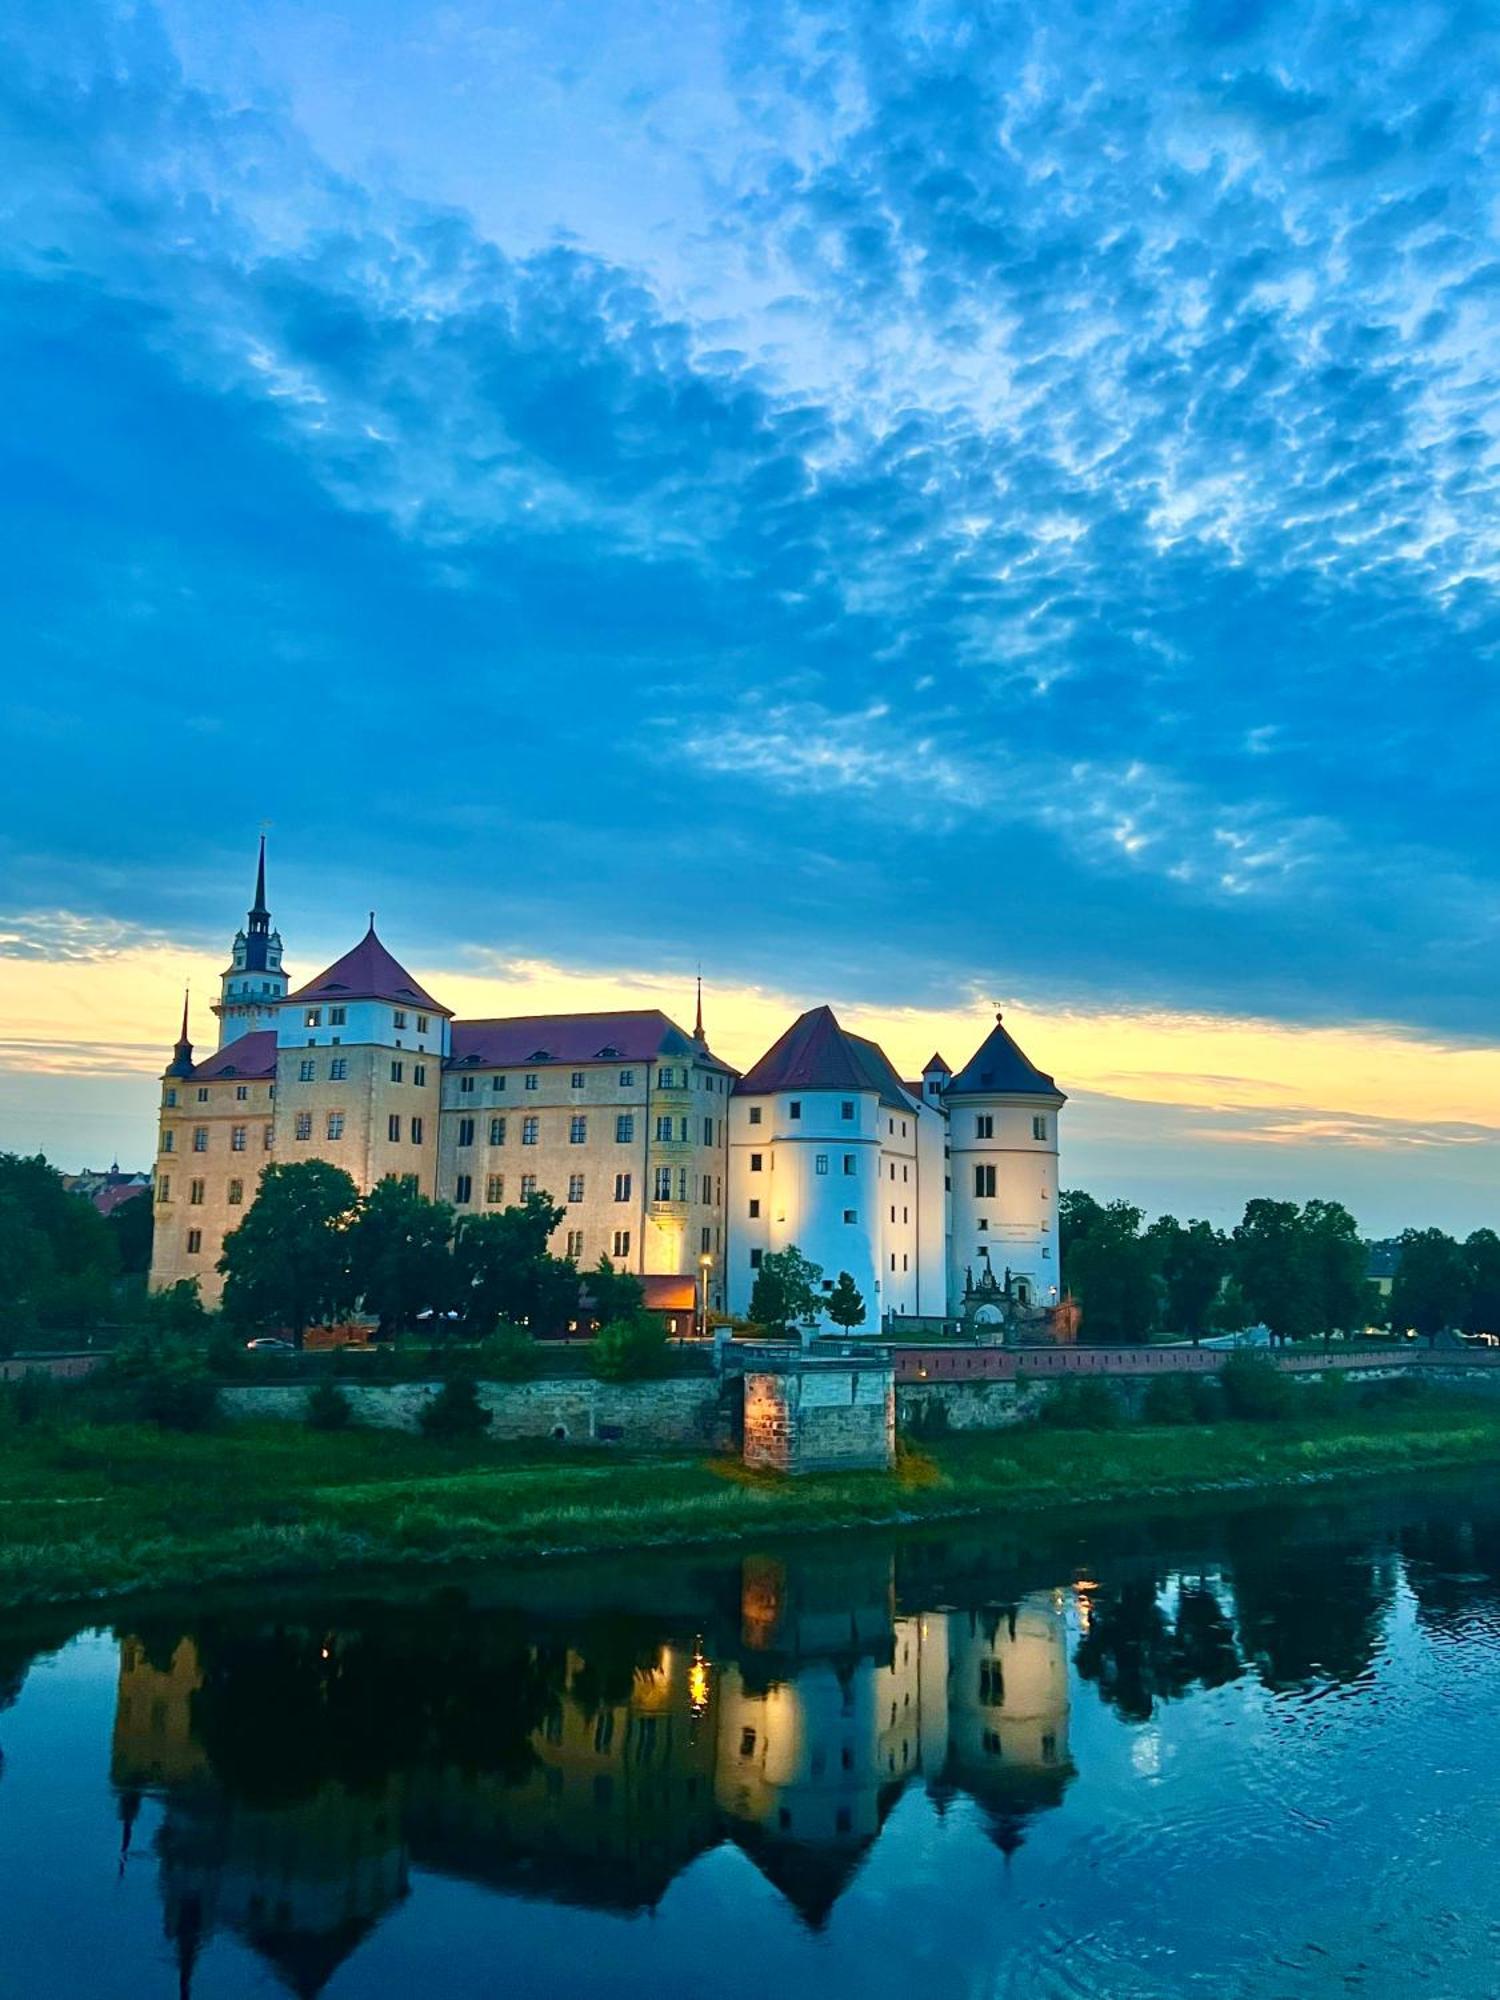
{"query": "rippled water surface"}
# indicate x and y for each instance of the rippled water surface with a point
(1254, 1755)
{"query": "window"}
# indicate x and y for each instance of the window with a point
(268, 1133)
(757, 1160)
(237, 1134)
(627, 1079)
(419, 1073)
(416, 1131)
(421, 1024)
(578, 1131)
(195, 1193)
(984, 1183)
(850, 1163)
(236, 1193)
(164, 1187)
(393, 1128)
(666, 1078)
(851, 1215)
(314, 1017)
(575, 1187)
(194, 1241)
(575, 1082)
(203, 1093)
(497, 1083)
(755, 1257)
(663, 1190)
(1039, 1128)
(171, 1100)
(306, 1070)
(466, 1085)
(622, 1243)
(529, 1129)
(335, 1129)
(1046, 1251)
(755, 1110)
(820, 1163)
(463, 1189)
(338, 1069)
(708, 1189)
(984, 1125)
(494, 1189)
(846, 1108)
(705, 1240)
(336, 1017)
(794, 1109)
(708, 1131)
(682, 1183)
(400, 1017)
(664, 1129)
(531, 1079)
(754, 1208)
(497, 1131)
(528, 1186)
(168, 1140)
(575, 1244)
(622, 1187)
(304, 1124)
(241, 1092)
(624, 1128)
(398, 1070)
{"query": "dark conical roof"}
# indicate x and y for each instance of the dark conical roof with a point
(369, 972)
(815, 1053)
(999, 1066)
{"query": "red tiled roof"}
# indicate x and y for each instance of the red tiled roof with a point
(815, 1053)
(637, 1034)
(108, 1199)
(249, 1056)
(369, 973)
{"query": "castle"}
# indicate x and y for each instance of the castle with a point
(938, 1194)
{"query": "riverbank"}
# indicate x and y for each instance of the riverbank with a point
(105, 1510)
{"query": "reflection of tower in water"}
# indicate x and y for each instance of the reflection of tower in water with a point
(1007, 1712)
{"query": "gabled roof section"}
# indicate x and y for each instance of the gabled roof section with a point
(369, 972)
(998, 1066)
(247, 1058)
(815, 1053)
(638, 1034)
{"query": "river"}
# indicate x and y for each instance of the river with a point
(1249, 1753)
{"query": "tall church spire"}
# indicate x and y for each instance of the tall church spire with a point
(255, 982)
(258, 909)
(258, 925)
(698, 1017)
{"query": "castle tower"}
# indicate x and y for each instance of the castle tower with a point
(1002, 1137)
(254, 981)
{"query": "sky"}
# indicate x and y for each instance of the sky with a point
(919, 507)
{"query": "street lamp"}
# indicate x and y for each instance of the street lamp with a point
(705, 1265)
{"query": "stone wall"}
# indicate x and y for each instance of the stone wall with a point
(680, 1413)
(820, 1418)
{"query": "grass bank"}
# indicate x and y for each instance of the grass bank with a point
(91, 1510)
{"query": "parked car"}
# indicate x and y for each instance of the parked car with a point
(268, 1343)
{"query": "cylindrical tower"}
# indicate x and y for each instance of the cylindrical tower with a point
(1002, 1139)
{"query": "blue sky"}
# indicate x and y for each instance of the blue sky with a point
(896, 502)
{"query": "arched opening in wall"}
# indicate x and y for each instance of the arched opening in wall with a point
(1023, 1291)
(559, 1433)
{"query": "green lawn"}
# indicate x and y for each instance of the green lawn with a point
(96, 1509)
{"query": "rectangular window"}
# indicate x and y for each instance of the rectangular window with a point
(241, 1092)
(194, 1241)
(203, 1093)
(416, 1131)
(168, 1140)
(794, 1109)
(400, 1017)
(682, 1183)
(666, 1079)
(337, 1017)
(528, 1186)
(200, 1138)
(398, 1070)
(627, 1079)
(466, 1131)
(306, 1070)
(338, 1069)
(164, 1187)
(419, 1074)
(757, 1162)
(171, 1100)
(851, 1215)
(421, 1024)
(497, 1131)
(575, 1187)
(705, 1240)
(754, 1208)
(237, 1136)
(494, 1189)
(846, 1108)
(984, 1125)
(497, 1082)
(622, 1243)
(755, 1257)
(314, 1017)
(820, 1163)
(624, 1128)
(708, 1131)
(755, 1111)
(463, 1189)
(663, 1188)
(529, 1129)
(531, 1079)
(849, 1163)
(335, 1129)
(304, 1124)
(984, 1182)
(236, 1193)
(466, 1085)
(576, 1080)
(195, 1194)
(393, 1128)
(268, 1133)
(578, 1131)
(708, 1190)
(575, 1244)
(1038, 1128)
(622, 1187)
(664, 1129)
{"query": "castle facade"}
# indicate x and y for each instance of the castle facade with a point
(937, 1194)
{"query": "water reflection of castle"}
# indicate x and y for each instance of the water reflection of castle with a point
(792, 1737)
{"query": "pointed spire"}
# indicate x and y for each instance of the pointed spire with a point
(182, 1039)
(182, 1055)
(698, 1017)
(258, 908)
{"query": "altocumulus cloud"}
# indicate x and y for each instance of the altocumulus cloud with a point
(1035, 518)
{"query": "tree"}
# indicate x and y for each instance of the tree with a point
(455, 1412)
(1113, 1271)
(288, 1262)
(1275, 1267)
(1482, 1255)
(399, 1254)
(1342, 1295)
(1077, 1214)
(845, 1303)
(502, 1269)
(130, 1229)
(787, 1288)
(616, 1294)
(630, 1349)
(57, 1258)
(1431, 1288)
(1193, 1261)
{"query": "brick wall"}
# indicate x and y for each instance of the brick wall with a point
(820, 1419)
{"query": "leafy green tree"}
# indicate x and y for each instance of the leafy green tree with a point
(630, 1349)
(455, 1412)
(1274, 1264)
(502, 1269)
(288, 1262)
(1431, 1288)
(616, 1294)
(130, 1228)
(176, 1309)
(1113, 1273)
(1342, 1296)
(1077, 1214)
(399, 1254)
(1482, 1255)
(1193, 1260)
(57, 1258)
(328, 1407)
(787, 1288)
(845, 1304)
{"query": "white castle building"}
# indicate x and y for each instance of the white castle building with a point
(937, 1195)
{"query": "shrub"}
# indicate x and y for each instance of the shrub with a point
(180, 1396)
(630, 1350)
(455, 1412)
(1082, 1406)
(328, 1408)
(927, 1418)
(33, 1398)
(1255, 1389)
(1168, 1400)
(509, 1355)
